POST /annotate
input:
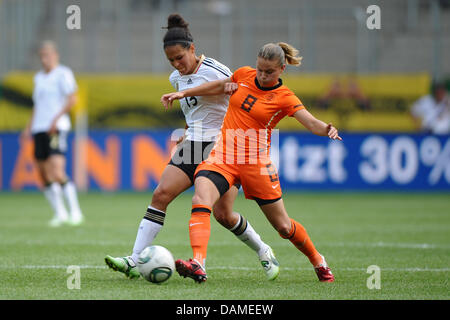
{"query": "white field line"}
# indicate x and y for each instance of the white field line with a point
(233, 242)
(388, 245)
(236, 268)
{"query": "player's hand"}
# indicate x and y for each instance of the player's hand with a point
(167, 99)
(180, 139)
(52, 129)
(230, 87)
(333, 132)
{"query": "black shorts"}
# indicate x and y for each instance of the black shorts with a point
(46, 145)
(190, 154)
(219, 180)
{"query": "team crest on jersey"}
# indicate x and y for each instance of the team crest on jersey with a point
(189, 81)
(269, 96)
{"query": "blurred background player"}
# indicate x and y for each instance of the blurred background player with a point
(204, 117)
(54, 94)
(431, 113)
(259, 101)
(348, 91)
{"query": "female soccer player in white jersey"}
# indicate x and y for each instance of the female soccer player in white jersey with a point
(54, 95)
(204, 117)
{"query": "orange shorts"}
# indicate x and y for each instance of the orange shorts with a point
(259, 181)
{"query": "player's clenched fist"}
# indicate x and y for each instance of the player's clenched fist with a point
(230, 87)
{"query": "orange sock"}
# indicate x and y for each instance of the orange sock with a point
(299, 237)
(199, 231)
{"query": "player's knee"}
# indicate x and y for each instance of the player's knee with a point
(56, 176)
(162, 197)
(61, 178)
(198, 199)
(48, 179)
(203, 199)
(224, 216)
(284, 229)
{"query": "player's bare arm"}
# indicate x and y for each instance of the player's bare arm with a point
(207, 89)
(71, 101)
(315, 125)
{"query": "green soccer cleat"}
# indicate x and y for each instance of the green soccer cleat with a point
(270, 264)
(123, 264)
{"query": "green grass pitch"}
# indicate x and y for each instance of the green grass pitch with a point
(406, 235)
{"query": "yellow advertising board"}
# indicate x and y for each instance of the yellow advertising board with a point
(378, 102)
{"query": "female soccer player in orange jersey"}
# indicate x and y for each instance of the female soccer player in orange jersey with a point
(259, 101)
(204, 117)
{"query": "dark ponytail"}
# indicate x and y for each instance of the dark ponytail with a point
(177, 32)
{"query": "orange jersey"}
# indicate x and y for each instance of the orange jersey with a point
(252, 113)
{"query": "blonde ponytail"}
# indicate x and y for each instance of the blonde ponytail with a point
(290, 54)
(281, 51)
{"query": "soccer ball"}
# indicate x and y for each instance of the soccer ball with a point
(156, 264)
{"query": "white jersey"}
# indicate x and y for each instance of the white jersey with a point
(435, 116)
(204, 115)
(50, 96)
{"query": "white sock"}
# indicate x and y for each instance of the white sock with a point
(148, 229)
(53, 193)
(245, 232)
(70, 193)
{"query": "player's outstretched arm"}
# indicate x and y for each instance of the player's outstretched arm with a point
(207, 89)
(316, 126)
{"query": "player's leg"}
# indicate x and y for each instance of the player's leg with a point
(71, 195)
(176, 178)
(52, 190)
(290, 229)
(53, 193)
(243, 230)
(173, 182)
(223, 209)
(205, 196)
(57, 165)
